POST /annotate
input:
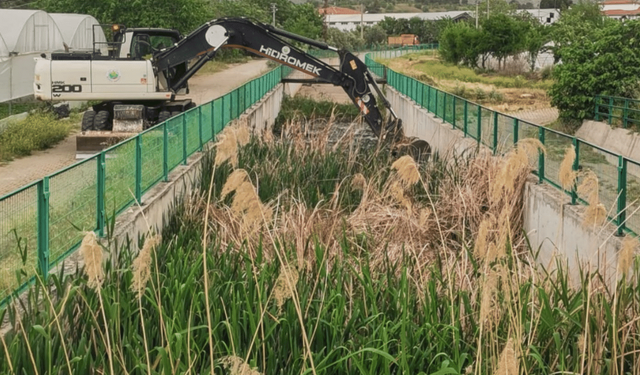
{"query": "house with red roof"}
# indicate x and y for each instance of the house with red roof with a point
(620, 9)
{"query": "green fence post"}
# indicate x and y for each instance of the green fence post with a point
(435, 112)
(541, 155)
(429, 99)
(479, 121)
(610, 108)
(597, 113)
(43, 227)
(165, 151)
(213, 121)
(454, 111)
(516, 127)
(576, 165)
(184, 139)
(444, 107)
(624, 114)
(479, 125)
(139, 168)
(495, 132)
(466, 118)
(100, 210)
(622, 195)
(200, 126)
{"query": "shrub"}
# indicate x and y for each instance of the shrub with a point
(480, 94)
(38, 131)
(496, 96)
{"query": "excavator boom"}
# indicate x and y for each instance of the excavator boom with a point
(267, 41)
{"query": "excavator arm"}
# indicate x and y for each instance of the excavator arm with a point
(268, 41)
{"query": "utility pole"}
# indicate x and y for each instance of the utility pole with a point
(361, 21)
(487, 8)
(273, 9)
(477, 11)
(325, 20)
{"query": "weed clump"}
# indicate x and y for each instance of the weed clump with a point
(38, 131)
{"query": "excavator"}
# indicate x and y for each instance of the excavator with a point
(138, 80)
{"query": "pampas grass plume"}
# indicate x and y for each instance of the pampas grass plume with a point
(407, 170)
(508, 362)
(596, 213)
(567, 175)
(237, 366)
(227, 148)
(281, 291)
(480, 248)
(142, 264)
(626, 254)
(488, 290)
(242, 134)
(91, 253)
(359, 182)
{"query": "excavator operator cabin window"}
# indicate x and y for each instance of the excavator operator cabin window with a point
(141, 47)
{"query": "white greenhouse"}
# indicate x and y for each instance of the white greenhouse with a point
(78, 31)
(26, 34)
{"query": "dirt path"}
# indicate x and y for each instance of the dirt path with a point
(204, 88)
(542, 116)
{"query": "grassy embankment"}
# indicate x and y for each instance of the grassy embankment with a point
(297, 258)
(503, 92)
(39, 131)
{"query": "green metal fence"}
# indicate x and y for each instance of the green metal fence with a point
(43, 222)
(382, 49)
(619, 176)
(618, 111)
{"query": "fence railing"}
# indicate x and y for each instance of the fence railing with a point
(619, 177)
(43, 222)
(389, 51)
(618, 111)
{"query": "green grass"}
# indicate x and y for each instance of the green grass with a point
(360, 306)
(301, 108)
(38, 131)
(437, 69)
(7, 110)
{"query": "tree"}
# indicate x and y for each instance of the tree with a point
(504, 35)
(343, 39)
(183, 15)
(555, 4)
(374, 35)
(536, 37)
(575, 23)
(496, 7)
(303, 20)
(602, 62)
(459, 44)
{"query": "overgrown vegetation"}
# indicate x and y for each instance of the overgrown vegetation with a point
(40, 130)
(501, 35)
(295, 257)
(301, 108)
(7, 110)
(598, 58)
(437, 69)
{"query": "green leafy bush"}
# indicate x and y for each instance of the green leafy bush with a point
(604, 62)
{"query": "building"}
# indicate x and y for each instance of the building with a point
(349, 22)
(620, 9)
(337, 10)
(545, 16)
